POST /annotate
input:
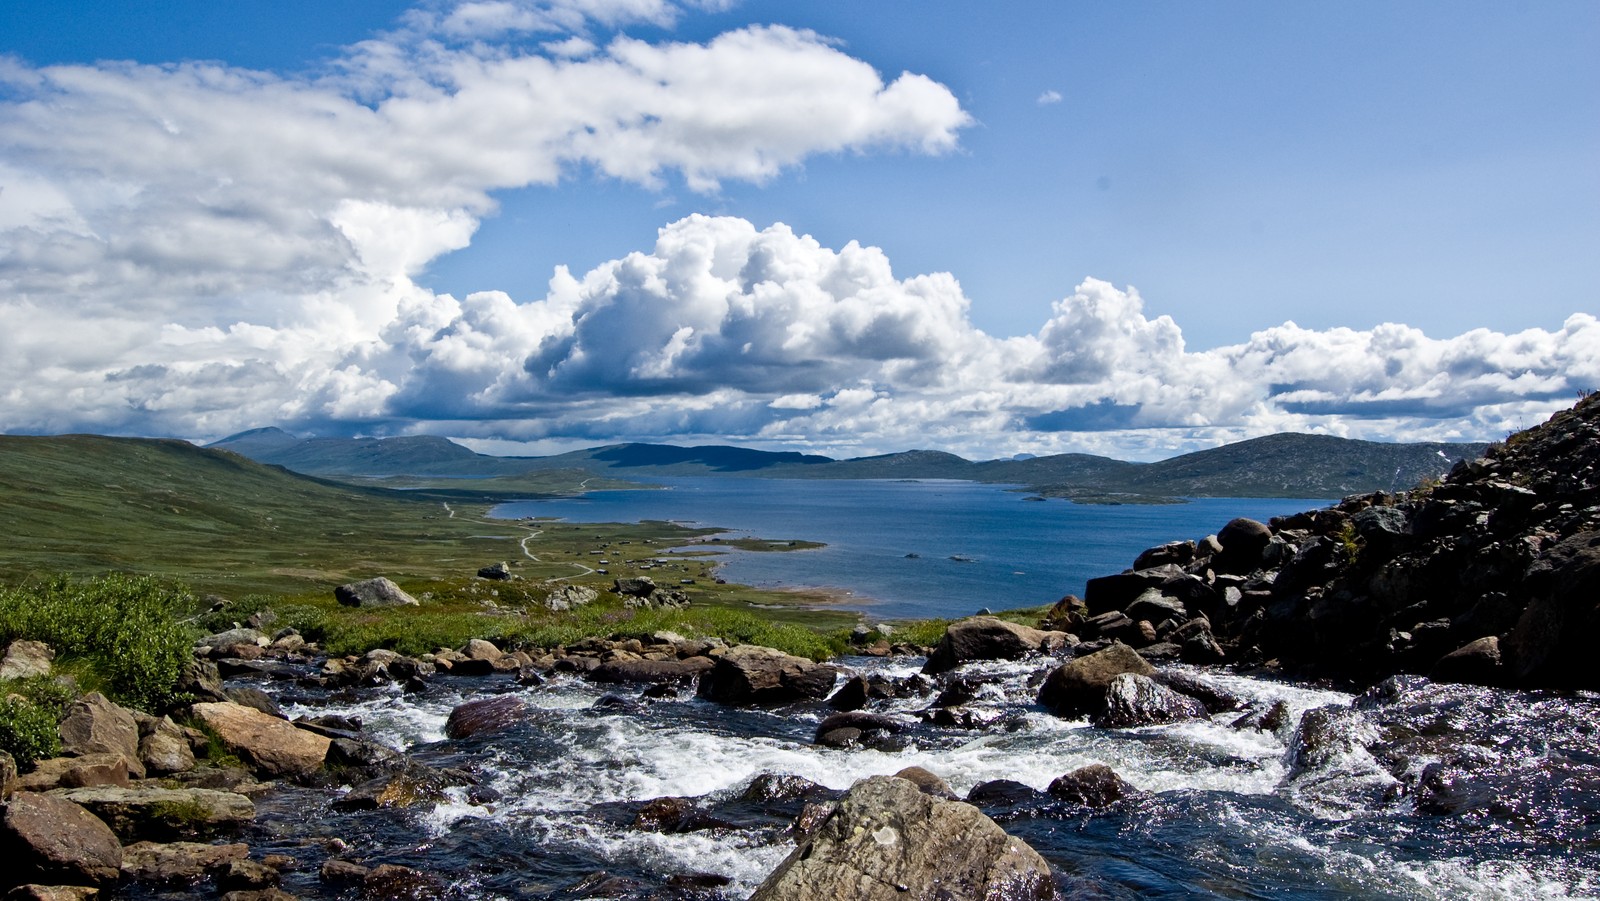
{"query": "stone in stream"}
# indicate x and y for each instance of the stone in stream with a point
(177, 861)
(157, 814)
(484, 715)
(33, 892)
(657, 671)
(887, 839)
(379, 592)
(273, 747)
(1133, 700)
(46, 839)
(1078, 687)
(1095, 785)
(751, 674)
(988, 638)
(854, 728)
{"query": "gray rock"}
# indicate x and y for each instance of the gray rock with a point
(164, 749)
(25, 659)
(94, 725)
(1154, 607)
(887, 839)
(1078, 687)
(751, 674)
(177, 861)
(46, 839)
(233, 637)
(1133, 700)
(379, 592)
(569, 596)
(988, 638)
(159, 814)
(637, 586)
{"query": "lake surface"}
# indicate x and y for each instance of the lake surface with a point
(900, 549)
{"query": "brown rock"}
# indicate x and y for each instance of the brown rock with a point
(392, 882)
(271, 746)
(988, 638)
(94, 725)
(751, 674)
(177, 861)
(1078, 687)
(165, 749)
(45, 840)
(484, 715)
(1095, 785)
(159, 814)
(52, 893)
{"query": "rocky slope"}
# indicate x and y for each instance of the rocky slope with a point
(1490, 576)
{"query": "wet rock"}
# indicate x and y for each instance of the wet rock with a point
(1216, 698)
(1078, 687)
(852, 695)
(45, 839)
(929, 782)
(779, 787)
(675, 815)
(1332, 772)
(256, 699)
(273, 747)
(52, 893)
(855, 727)
(337, 871)
(265, 894)
(484, 715)
(157, 814)
(242, 874)
(654, 671)
(94, 725)
(378, 592)
(988, 638)
(1002, 793)
(1274, 718)
(755, 675)
(1477, 662)
(889, 840)
(1095, 785)
(414, 784)
(391, 882)
(1133, 700)
(177, 861)
(958, 717)
(25, 659)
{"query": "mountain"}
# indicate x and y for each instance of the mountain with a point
(1287, 465)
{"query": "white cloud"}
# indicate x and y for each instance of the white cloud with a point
(1049, 97)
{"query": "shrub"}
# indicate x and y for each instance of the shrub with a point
(123, 632)
(29, 714)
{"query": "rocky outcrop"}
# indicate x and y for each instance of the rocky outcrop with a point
(887, 839)
(177, 861)
(271, 746)
(46, 840)
(25, 659)
(378, 592)
(159, 814)
(752, 674)
(566, 597)
(1490, 576)
(988, 638)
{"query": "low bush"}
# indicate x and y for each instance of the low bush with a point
(29, 713)
(121, 634)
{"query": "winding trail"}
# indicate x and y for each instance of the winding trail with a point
(535, 533)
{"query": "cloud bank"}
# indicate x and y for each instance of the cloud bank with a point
(195, 249)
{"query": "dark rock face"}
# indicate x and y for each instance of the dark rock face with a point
(1134, 700)
(1078, 687)
(889, 840)
(855, 728)
(484, 715)
(379, 592)
(46, 839)
(1095, 785)
(655, 671)
(750, 674)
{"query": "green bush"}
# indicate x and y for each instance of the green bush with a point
(29, 713)
(120, 633)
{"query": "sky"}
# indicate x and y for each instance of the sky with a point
(1129, 229)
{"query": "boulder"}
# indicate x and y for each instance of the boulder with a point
(379, 592)
(484, 715)
(988, 638)
(164, 749)
(1476, 662)
(94, 725)
(25, 659)
(1117, 591)
(76, 772)
(887, 839)
(569, 596)
(1548, 646)
(33, 892)
(930, 782)
(8, 774)
(255, 699)
(160, 814)
(654, 671)
(46, 839)
(637, 586)
(1078, 687)
(752, 674)
(271, 746)
(1243, 541)
(393, 882)
(478, 649)
(855, 727)
(202, 680)
(177, 861)
(233, 638)
(1154, 607)
(495, 572)
(1133, 700)
(1095, 785)
(407, 787)
(675, 815)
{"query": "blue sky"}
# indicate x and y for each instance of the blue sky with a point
(1134, 202)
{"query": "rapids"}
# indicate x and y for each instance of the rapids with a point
(1224, 812)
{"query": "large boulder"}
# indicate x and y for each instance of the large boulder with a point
(163, 814)
(271, 746)
(567, 597)
(1549, 645)
(752, 674)
(46, 839)
(379, 592)
(1078, 687)
(484, 715)
(655, 671)
(988, 638)
(94, 725)
(887, 839)
(1095, 785)
(26, 658)
(1134, 700)
(1243, 543)
(178, 861)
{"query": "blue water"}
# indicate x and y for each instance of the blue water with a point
(1013, 552)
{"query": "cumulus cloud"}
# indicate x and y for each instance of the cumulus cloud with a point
(1049, 97)
(195, 249)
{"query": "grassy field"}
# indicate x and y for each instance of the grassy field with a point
(222, 524)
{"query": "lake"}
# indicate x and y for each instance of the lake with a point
(904, 549)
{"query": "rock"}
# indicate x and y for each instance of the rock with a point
(202, 680)
(1078, 687)
(265, 894)
(76, 772)
(1476, 662)
(1177, 553)
(1215, 698)
(1002, 793)
(414, 784)
(496, 572)
(255, 699)
(852, 695)
(94, 725)
(52, 893)
(569, 596)
(638, 587)
(1115, 592)
(45, 839)
(8, 774)
(232, 638)
(392, 882)
(271, 746)
(1273, 718)
(1548, 646)
(1133, 700)
(1243, 543)
(177, 861)
(988, 638)
(242, 874)
(855, 727)
(484, 715)
(164, 749)
(1095, 785)
(751, 674)
(779, 787)
(1155, 607)
(25, 659)
(929, 782)
(156, 814)
(478, 649)
(675, 815)
(655, 671)
(888, 840)
(379, 592)
(335, 870)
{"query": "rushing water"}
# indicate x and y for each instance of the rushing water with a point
(1223, 812)
(915, 548)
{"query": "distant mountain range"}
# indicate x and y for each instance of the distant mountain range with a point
(1285, 465)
